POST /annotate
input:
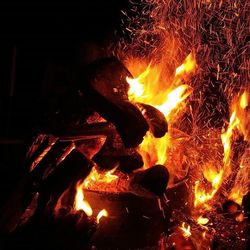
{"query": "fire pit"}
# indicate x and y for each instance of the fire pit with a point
(150, 150)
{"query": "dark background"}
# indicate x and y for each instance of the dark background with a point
(33, 36)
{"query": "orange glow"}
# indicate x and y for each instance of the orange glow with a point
(102, 213)
(185, 230)
(202, 194)
(168, 98)
(80, 203)
(98, 177)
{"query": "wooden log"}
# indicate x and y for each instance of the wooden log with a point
(114, 153)
(73, 168)
(126, 117)
(156, 120)
(154, 179)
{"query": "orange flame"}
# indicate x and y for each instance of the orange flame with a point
(80, 203)
(102, 213)
(226, 138)
(242, 180)
(188, 65)
(148, 88)
(185, 230)
(239, 121)
(100, 178)
(202, 195)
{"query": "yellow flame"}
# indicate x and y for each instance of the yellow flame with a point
(167, 98)
(202, 221)
(188, 65)
(226, 138)
(136, 86)
(239, 121)
(202, 195)
(101, 178)
(186, 230)
(173, 99)
(244, 100)
(80, 203)
(242, 180)
(102, 213)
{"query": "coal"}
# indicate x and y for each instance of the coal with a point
(127, 118)
(156, 120)
(154, 179)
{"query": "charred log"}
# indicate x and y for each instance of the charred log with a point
(73, 168)
(156, 120)
(154, 179)
(127, 118)
(114, 153)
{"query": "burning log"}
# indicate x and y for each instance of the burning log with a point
(156, 120)
(154, 179)
(114, 153)
(93, 85)
(73, 168)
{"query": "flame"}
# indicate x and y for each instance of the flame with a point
(243, 100)
(242, 180)
(102, 213)
(80, 203)
(202, 221)
(243, 115)
(174, 98)
(98, 177)
(185, 230)
(226, 138)
(167, 98)
(188, 65)
(202, 195)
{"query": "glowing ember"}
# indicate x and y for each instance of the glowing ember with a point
(185, 228)
(80, 203)
(102, 213)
